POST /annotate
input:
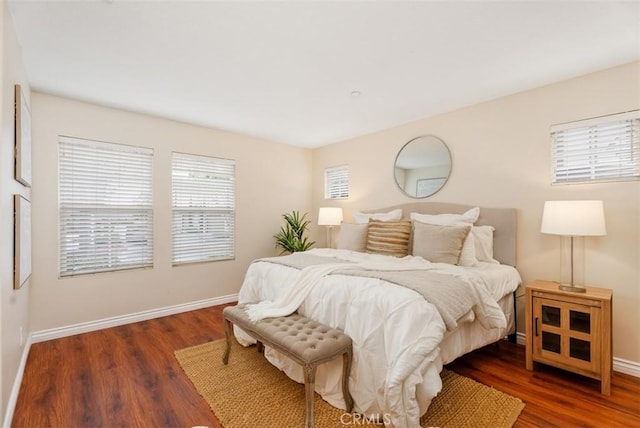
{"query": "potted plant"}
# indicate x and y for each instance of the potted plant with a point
(291, 236)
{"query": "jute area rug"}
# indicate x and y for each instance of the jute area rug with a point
(250, 392)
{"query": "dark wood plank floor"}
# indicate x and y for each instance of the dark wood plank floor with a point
(128, 377)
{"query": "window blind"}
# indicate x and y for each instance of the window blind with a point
(600, 149)
(105, 201)
(203, 194)
(336, 182)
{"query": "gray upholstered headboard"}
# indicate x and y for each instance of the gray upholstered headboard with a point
(503, 219)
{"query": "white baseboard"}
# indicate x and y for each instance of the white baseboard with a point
(15, 389)
(70, 330)
(627, 367)
(619, 365)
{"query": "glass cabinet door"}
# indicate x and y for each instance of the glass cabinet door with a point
(563, 332)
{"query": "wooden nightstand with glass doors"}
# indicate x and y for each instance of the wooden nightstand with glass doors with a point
(569, 330)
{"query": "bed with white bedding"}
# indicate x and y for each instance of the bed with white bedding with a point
(407, 316)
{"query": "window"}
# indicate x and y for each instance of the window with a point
(336, 182)
(106, 215)
(601, 149)
(203, 208)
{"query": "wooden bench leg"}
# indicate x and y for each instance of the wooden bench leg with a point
(228, 332)
(346, 370)
(309, 387)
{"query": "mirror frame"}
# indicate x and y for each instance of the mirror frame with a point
(398, 155)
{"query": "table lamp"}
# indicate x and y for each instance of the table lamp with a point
(330, 217)
(573, 220)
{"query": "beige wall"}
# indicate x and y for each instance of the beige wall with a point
(501, 158)
(14, 304)
(270, 179)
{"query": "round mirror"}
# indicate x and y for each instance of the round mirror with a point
(422, 166)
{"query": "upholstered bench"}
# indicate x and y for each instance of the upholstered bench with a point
(305, 341)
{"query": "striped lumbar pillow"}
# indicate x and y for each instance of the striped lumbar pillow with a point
(390, 238)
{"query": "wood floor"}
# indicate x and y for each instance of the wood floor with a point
(128, 377)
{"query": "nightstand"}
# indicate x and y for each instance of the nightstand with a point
(571, 331)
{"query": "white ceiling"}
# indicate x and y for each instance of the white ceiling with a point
(285, 71)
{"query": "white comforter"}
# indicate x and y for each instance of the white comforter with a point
(396, 333)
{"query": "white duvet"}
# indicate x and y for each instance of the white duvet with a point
(396, 332)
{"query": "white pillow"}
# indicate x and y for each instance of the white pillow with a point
(470, 217)
(360, 218)
(468, 254)
(353, 237)
(483, 237)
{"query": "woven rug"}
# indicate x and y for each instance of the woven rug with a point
(251, 392)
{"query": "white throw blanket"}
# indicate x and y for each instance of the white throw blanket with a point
(289, 302)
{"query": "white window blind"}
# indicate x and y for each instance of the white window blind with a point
(601, 149)
(106, 214)
(336, 182)
(203, 208)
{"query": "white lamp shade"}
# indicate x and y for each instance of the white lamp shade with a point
(573, 218)
(329, 216)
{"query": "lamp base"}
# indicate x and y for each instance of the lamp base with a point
(572, 288)
(330, 236)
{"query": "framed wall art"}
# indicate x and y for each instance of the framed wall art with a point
(22, 138)
(429, 186)
(22, 241)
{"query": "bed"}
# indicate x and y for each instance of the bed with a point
(407, 316)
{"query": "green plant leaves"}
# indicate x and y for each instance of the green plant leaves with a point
(291, 236)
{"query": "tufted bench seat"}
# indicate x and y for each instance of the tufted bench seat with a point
(304, 340)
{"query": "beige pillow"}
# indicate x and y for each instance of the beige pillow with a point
(353, 237)
(438, 243)
(468, 255)
(390, 238)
